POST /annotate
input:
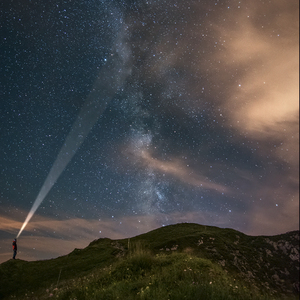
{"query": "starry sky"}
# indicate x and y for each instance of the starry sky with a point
(174, 111)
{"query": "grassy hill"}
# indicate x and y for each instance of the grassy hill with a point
(183, 261)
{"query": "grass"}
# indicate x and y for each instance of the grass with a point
(175, 262)
(165, 276)
(22, 277)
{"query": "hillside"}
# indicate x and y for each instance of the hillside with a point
(188, 261)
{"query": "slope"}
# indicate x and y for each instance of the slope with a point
(266, 265)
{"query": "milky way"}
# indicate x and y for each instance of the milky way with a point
(204, 128)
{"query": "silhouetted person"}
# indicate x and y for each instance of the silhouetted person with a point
(14, 246)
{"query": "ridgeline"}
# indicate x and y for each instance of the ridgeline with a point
(183, 261)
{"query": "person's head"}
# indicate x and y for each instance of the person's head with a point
(15, 240)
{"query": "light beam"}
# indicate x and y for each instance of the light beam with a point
(111, 78)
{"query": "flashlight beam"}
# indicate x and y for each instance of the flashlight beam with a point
(109, 81)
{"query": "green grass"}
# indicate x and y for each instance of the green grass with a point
(144, 276)
(175, 262)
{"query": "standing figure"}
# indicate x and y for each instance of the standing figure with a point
(14, 246)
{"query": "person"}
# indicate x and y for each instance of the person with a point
(14, 246)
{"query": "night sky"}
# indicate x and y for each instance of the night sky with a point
(193, 108)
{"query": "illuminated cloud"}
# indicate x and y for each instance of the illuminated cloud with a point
(9, 224)
(268, 93)
(138, 152)
(181, 171)
(261, 67)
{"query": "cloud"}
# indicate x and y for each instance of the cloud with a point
(241, 62)
(257, 73)
(138, 152)
(181, 171)
(7, 224)
(268, 93)
(46, 238)
(261, 65)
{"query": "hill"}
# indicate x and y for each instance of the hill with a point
(183, 261)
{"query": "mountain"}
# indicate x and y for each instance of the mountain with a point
(182, 261)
